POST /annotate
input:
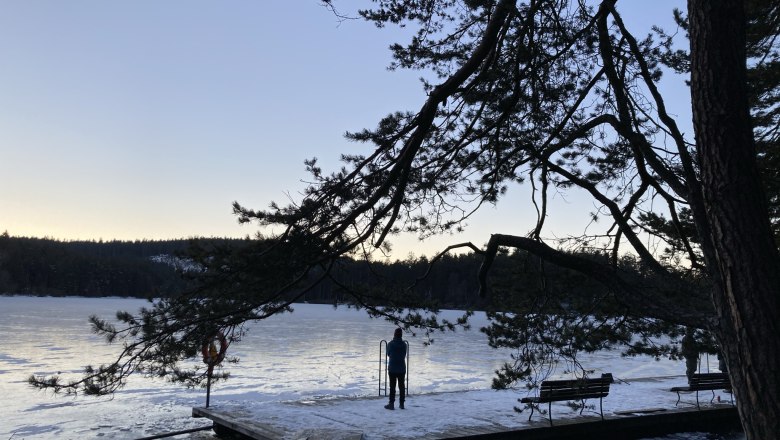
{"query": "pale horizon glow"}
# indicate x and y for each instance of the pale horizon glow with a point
(146, 120)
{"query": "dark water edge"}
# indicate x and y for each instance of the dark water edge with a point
(738, 435)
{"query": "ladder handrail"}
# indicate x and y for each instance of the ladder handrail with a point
(382, 342)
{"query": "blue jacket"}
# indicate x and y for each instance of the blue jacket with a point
(396, 351)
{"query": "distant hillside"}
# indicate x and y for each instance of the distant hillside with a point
(151, 268)
(146, 268)
(42, 266)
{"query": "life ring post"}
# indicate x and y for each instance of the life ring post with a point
(213, 356)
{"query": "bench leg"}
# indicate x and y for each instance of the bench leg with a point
(678, 399)
(601, 408)
(697, 400)
(532, 412)
(549, 411)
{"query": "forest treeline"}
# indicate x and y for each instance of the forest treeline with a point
(153, 268)
(43, 266)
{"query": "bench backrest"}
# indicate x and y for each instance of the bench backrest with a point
(709, 379)
(575, 389)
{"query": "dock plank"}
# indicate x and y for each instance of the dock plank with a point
(339, 419)
(250, 428)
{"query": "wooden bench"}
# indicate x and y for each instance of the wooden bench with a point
(575, 389)
(704, 382)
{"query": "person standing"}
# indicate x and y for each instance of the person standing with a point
(396, 368)
(690, 352)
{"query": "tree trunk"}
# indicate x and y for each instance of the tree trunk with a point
(743, 260)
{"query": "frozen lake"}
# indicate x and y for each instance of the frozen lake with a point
(316, 352)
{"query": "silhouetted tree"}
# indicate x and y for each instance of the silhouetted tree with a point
(558, 95)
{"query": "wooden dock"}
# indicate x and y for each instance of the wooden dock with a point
(626, 424)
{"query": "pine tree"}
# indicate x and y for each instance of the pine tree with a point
(561, 96)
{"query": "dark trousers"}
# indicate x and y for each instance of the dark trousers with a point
(401, 390)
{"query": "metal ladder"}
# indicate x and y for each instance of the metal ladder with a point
(383, 348)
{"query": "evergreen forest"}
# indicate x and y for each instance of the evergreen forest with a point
(161, 268)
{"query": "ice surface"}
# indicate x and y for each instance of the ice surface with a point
(318, 357)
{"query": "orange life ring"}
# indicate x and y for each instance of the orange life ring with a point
(211, 354)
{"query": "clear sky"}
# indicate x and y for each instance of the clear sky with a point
(147, 119)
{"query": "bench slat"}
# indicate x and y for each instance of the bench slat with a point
(708, 381)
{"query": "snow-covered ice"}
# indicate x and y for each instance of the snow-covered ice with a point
(294, 369)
